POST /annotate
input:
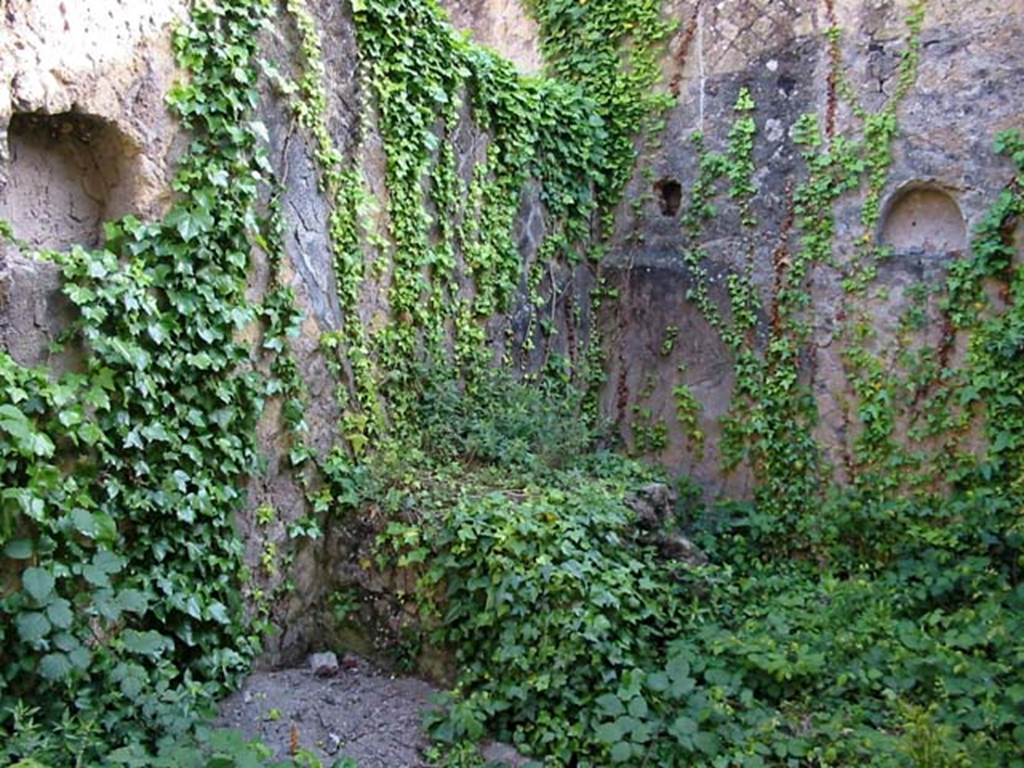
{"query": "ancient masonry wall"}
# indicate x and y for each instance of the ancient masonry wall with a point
(943, 178)
(85, 136)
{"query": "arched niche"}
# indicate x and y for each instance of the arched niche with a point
(67, 174)
(923, 219)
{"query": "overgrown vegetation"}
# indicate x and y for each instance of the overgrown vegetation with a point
(122, 583)
(874, 624)
(123, 575)
(580, 643)
(868, 625)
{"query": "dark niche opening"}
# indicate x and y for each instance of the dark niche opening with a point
(925, 219)
(68, 173)
(670, 196)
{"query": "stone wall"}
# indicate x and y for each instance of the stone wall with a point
(502, 25)
(943, 178)
(82, 117)
(85, 136)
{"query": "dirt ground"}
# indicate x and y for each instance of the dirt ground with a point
(360, 712)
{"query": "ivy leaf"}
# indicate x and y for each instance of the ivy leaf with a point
(84, 522)
(65, 641)
(14, 423)
(40, 445)
(621, 752)
(218, 612)
(80, 657)
(31, 505)
(69, 418)
(32, 627)
(148, 643)
(132, 601)
(638, 707)
(59, 613)
(106, 604)
(192, 607)
(108, 562)
(707, 742)
(131, 677)
(96, 269)
(616, 730)
(157, 332)
(608, 733)
(19, 549)
(259, 129)
(658, 682)
(683, 728)
(18, 426)
(610, 705)
(38, 582)
(55, 666)
(95, 576)
(106, 529)
(190, 222)
(677, 669)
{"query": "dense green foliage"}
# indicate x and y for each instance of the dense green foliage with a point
(123, 575)
(897, 645)
(876, 624)
(610, 48)
(448, 242)
(537, 128)
(121, 483)
(872, 625)
(122, 587)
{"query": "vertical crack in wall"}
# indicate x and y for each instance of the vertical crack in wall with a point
(701, 73)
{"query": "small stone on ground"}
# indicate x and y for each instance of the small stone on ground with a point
(324, 664)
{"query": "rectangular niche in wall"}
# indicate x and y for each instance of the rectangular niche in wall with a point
(68, 173)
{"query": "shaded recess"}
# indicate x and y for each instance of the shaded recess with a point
(923, 219)
(68, 173)
(670, 196)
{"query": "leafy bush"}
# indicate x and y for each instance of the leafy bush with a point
(43, 747)
(121, 615)
(547, 598)
(501, 420)
(891, 645)
(579, 645)
(865, 628)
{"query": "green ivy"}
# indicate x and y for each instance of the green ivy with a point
(535, 128)
(580, 643)
(994, 373)
(123, 571)
(611, 49)
(771, 421)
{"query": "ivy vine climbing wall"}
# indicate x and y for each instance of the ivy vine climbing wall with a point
(122, 481)
(474, 220)
(131, 604)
